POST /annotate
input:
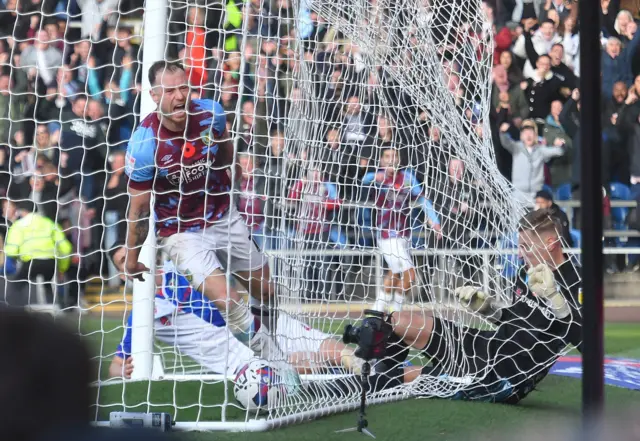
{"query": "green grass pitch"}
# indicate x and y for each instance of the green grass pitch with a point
(422, 419)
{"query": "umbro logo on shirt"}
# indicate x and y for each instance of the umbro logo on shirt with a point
(166, 158)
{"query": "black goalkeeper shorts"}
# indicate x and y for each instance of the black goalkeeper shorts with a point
(460, 351)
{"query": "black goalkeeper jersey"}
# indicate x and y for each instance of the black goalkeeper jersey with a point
(529, 337)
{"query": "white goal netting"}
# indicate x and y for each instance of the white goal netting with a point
(364, 173)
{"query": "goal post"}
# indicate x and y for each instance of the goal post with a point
(154, 43)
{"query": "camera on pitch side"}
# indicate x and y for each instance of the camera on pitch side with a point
(371, 336)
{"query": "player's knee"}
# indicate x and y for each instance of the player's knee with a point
(215, 287)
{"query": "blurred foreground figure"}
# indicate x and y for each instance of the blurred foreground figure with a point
(45, 377)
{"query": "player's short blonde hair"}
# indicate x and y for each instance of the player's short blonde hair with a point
(541, 221)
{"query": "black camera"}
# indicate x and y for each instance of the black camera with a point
(371, 336)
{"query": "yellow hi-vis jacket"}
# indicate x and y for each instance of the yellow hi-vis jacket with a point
(38, 237)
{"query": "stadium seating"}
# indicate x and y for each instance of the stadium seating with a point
(619, 192)
(563, 192)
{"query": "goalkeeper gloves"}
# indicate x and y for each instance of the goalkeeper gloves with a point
(543, 284)
(476, 301)
(473, 299)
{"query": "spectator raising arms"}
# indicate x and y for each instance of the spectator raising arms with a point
(529, 158)
(616, 60)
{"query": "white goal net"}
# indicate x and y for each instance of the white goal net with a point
(364, 173)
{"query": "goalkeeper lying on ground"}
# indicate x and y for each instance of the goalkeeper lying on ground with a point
(188, 321)
(503, 365)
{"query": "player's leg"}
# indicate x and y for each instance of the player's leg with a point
(240, 255)
(193, 254)
(406, 273)
(243, 258)
(396, 255)
(385, 296)
(308, 347)
(414, 329)
(210, 346)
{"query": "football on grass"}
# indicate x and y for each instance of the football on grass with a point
(260, 386)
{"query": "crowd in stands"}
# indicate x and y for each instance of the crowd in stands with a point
(70, 82)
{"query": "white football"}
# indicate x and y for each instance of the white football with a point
(260, 386)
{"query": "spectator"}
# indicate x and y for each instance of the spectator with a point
(514, 72)
(279, 173)
(10, 111)
(115, 207)
(251, 197)
(560, 167)
(53, 29)
(41, 61)
(608, 13)
(317, 201)
(253, 125)
(630, 124)
(79, 61)
(507, 98)
(542, 89)
(616, 60)
(544, 200)
(529, 158)
(13, 22)
(356, 126)
(195, 49)
(531, 44)
(558, 6)
(571, 46)
(94, 13)
(83, 149)
(458, 203)
(570, 120)
(527, 9)
(614, 130)
(341, 161)
(44, 194)
(61, 398)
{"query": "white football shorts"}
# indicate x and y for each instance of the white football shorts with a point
(225, 245)
(395, 251)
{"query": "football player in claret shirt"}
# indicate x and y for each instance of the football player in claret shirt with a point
(396, 194)
(180, 154)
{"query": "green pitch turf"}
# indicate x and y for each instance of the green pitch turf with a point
(556, 398)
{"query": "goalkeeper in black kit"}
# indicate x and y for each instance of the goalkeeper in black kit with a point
(500, 365)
